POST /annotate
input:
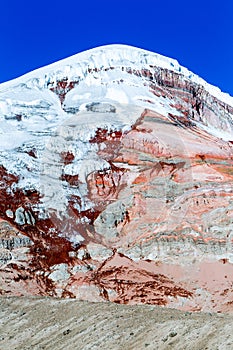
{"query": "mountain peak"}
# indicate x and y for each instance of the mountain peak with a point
(113, 55)
(116, 182)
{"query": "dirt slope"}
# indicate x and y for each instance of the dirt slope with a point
(62, 324)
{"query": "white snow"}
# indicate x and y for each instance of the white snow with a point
(224, 135)
(110, 55)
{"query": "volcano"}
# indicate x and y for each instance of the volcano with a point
(116, 182)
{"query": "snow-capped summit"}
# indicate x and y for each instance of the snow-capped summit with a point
(112, 160)
(114, 55)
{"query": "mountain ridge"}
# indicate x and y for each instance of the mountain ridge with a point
(159, 60)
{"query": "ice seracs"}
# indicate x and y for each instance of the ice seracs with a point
(115, 55)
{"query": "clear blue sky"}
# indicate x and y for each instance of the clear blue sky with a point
(199, 34)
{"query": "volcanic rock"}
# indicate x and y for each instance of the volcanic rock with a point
(116, 182)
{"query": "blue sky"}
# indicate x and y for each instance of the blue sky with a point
(199, 34)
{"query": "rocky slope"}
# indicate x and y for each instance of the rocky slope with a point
(50, 323)
(116, 182)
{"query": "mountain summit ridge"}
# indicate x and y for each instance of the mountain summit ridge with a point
(86, 59)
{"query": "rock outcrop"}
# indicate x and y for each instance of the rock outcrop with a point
(116, 183)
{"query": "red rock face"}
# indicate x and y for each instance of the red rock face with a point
(136, 214)
(133, 283)
(62, 87)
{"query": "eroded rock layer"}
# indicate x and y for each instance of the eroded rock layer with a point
(116, 183)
